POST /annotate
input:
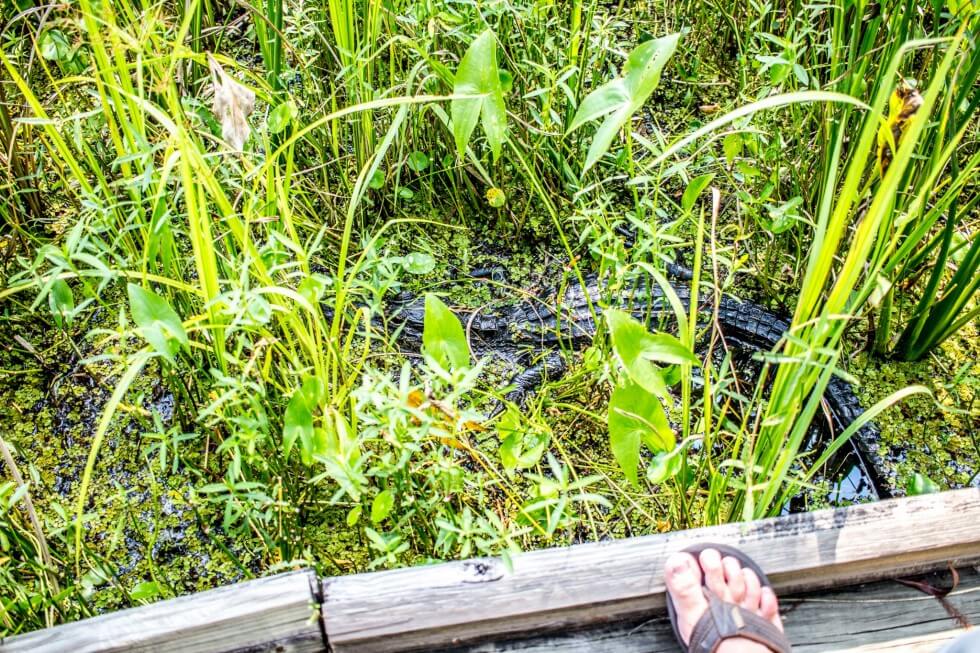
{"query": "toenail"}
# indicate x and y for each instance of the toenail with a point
(710, 557)
(677, 565)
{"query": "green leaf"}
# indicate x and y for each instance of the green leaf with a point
(61, 302)
(418, 161)
(354, 515)
(506, 80)
(801, 75)
(645, 63)
(883, 286)
(694, 190)
(783, 217)
(158, 323)
(257, 308)
(381, 506)
(638, 349)
(319, 445)
(921, 484)
(732, 147)
(627, 337)
(747, 170)
(418, 263)
(377, 180)
(282, 116)
(600, 102)
(298, 421)
(145, 591)
(620, 98)
(671, 375)
(636, 417)
(665, 466)
(478, 75)
(667, 349)
(442, 335)
(521, 447)
(406, 193)
(54, 46)
(313, 287)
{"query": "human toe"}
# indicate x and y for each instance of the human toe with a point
(714, 573)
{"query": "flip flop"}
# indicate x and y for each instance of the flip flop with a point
(723, 620)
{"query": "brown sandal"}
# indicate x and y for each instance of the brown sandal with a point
(723, 620)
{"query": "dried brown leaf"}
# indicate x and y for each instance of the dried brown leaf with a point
(233, 103)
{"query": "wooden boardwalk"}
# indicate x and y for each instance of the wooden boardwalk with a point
(871, 617)
(606, 596)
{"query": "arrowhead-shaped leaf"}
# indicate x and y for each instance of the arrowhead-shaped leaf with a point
(62, 302)
(665, 466)
(644, 65)
(694, 190)
(382, 505)
(600, 102)
(159, 324)
(521, 446)
(622, 97)
(478, 75)
(298, 421)
(638, 350)
(636, 417)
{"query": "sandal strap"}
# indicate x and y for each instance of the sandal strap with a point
(723, 620)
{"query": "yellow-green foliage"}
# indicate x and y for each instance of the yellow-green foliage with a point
(940, 441)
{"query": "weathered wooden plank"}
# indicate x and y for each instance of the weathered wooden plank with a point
(275, 613)
(595, 588)
(881, 615)
(872, 617)
(557, 589)
(915, 644)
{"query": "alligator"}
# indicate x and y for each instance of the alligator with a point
(533, 333)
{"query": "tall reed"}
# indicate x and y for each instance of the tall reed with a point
(830, 299)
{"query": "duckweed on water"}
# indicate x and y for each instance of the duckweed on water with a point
(142, 525)
(938, 436)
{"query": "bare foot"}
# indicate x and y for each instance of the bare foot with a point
(730, 582)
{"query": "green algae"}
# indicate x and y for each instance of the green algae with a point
(335, 547)
(933, 435)
(509, 266)
(142, 524)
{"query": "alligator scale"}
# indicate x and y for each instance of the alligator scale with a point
(531, 333)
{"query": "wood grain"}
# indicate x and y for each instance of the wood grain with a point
(880, 616)
(275, 613)
(558, 589)
(919, 644)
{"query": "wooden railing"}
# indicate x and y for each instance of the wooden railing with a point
(476, 601)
